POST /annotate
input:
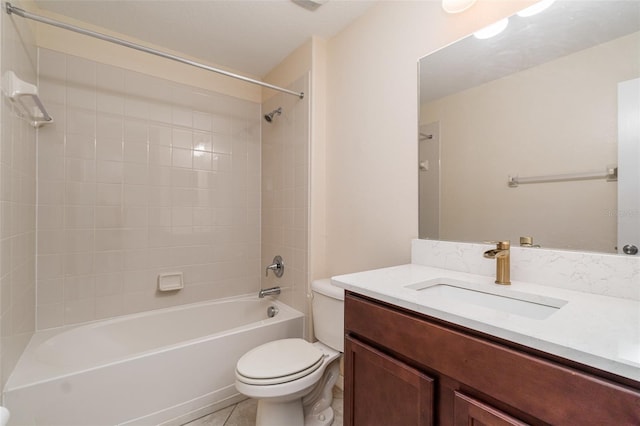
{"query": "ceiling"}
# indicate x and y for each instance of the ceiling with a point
(248, 36)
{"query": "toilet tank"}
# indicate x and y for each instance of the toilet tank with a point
(327, 308)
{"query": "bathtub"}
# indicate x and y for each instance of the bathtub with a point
(167, 367)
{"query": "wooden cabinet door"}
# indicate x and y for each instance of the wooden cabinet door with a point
(380, 390)
(471, 412)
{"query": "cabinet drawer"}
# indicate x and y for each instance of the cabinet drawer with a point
(551, 392)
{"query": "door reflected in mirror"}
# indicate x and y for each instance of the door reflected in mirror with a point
(540, 100)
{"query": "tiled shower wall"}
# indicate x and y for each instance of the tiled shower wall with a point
(17, 202)
(285, 194)
(139, 176)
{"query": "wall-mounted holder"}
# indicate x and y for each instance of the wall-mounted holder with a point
(610, 174)
(170, 281)
(25, 96)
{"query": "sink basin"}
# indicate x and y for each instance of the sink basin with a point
(499, 299)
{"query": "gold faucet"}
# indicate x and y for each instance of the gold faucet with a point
(503, 265)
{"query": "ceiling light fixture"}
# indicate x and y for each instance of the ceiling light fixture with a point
(492, 30)
(457, 6)
(536, 8)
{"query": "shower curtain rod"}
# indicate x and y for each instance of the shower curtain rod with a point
(28, 15)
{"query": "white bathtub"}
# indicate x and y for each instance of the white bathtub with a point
(162, 367)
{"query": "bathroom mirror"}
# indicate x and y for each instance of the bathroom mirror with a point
(539, 100)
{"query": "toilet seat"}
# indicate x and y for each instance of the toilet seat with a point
(278, 362)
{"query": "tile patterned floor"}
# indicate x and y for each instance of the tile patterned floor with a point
(244, 413)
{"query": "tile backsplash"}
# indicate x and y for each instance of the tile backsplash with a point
(140, 176)
(598, 273)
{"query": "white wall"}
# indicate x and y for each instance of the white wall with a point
(372, 116)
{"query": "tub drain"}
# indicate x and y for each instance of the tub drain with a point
(272, 311)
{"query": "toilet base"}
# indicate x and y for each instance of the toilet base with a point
(290, 414)
(280, 413)
(323, 418)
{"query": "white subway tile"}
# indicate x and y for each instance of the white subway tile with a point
(109, 126)
(110, 102)
(109, 149)
(109, 261)
(136, 174)
(135, 260)
(81, 122)
(50, 216)
(160, 135)
(108, 217)
(80, 193)
(108, 194)
(50, 316)
(136, 152)
(81, 97)
(182, 197)
(160, 112)
(78, 264)
(159, 155)
(182, 216)
(136, 130)
(50, 266)
(52, 64)
(182, 138)
(76, 217)
(135, 217)
(78, 240)
(136, 108)
(109, 284)
(51, 241)
(80, 146)
(109, 172)
(81, 71)
(159, 196)
(202, 160)
(109, 306)
(159, 216)
(110, 78)
(202, 121)
(80, 170)
(159, 176)
(79, 287)
(135, 195)
(77, 311)
(182, 117)
(182, 158)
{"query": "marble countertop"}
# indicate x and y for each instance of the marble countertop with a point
(595, 330)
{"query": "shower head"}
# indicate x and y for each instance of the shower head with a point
(269, 117)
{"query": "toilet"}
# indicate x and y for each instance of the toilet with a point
(293, 379)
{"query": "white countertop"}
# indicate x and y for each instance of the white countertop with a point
(595, 330)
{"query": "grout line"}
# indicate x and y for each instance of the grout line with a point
(230, 414)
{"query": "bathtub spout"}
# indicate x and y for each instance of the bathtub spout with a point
(268, 292)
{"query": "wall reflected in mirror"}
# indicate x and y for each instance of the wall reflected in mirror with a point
(538, 100)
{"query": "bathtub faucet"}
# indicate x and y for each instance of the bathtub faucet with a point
(268, 292)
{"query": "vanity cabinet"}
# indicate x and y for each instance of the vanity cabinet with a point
(403, 368)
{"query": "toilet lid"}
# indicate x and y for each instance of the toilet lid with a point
(279, 358)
